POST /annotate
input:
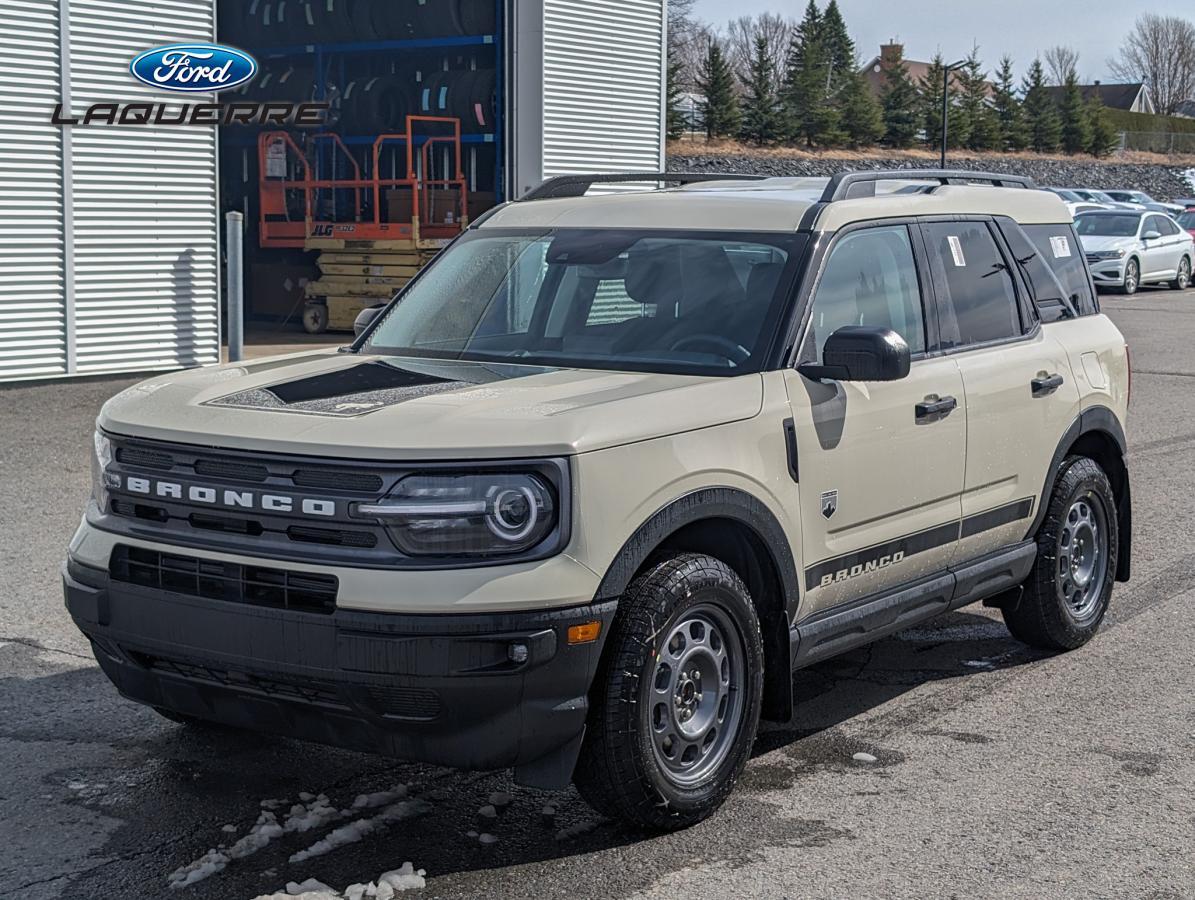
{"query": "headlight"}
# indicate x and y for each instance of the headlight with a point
(101, 458)
(466, 514)
(1108, 254)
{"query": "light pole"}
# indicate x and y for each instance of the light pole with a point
(946, 70)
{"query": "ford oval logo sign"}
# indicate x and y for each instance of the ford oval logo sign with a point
(193, 68)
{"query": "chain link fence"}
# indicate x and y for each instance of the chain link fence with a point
(1158, 141)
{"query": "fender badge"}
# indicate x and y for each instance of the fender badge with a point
(829, 503)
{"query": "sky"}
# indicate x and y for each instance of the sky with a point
(1021, 28)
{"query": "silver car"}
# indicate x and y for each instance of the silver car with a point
(1126, 249)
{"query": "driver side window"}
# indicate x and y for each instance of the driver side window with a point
(870, 278)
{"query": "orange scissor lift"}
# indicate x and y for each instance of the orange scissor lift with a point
(372, 233)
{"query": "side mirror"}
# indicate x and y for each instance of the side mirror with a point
(861, 353)
(365, 318)
(1151, 235)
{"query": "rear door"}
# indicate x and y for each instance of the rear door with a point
(880, 475)
(1021, 395)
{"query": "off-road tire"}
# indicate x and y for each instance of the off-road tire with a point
(1043, 618)
(1131, 284)
(1182, 280)
(620, 770)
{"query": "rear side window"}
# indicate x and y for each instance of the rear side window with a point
(977, 303)
(1060, 249)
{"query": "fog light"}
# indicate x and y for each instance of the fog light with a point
(517, 653)
(584, 634)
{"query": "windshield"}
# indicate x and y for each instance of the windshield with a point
(1104, 225)
(1186, 219)
(647, 301)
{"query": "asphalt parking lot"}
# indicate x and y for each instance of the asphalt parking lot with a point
(999, 771)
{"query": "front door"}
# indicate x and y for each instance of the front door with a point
(881, 464)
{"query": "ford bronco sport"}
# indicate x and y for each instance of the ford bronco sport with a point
(582, 498)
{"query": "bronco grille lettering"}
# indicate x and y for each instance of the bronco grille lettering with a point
(236, 499)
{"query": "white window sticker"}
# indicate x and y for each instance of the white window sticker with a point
(1061, 246)
(956, 250)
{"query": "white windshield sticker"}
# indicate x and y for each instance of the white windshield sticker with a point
(1061, 246)
(956, 250)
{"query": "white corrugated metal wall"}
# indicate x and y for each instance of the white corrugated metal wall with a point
(32, 303)
(144, 199)
(603, 86)
(109, 255)
(588, 92)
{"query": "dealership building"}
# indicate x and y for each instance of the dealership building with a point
(110, 235)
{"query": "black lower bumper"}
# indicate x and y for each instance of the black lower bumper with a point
(439, 689)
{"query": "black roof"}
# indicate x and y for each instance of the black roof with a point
(1115, 96)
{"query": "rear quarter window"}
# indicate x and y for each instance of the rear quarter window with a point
(1060, 250)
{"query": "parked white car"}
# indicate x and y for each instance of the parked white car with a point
(1093, 196)
(1143, 199)
(1126, 249)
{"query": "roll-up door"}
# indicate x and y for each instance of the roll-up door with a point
(143, 198)
(33, 340)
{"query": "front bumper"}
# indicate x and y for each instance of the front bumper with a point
(1108, 271)
(441, 689)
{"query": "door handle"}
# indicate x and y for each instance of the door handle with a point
(1045, 385)
(933, 408)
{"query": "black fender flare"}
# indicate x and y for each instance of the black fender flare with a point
(747, 510)
(1095, 420)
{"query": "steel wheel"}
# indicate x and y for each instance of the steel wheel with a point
(1083, 555)
(1132, 277)
(696, 698)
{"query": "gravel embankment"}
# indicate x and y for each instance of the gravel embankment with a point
(1160, 181)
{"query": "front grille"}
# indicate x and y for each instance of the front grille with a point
(146, 459)
(332, 479)
(337, 537)
(291, 689)
(406, 703)
(230, 582)
(219, 468)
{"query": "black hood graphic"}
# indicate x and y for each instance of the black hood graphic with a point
(369, 386)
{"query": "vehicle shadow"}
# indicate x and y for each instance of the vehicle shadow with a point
(164, 793)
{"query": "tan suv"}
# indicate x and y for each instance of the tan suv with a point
(585, 495)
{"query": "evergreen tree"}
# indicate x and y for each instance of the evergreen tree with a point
(720, 107)
(1103, 134)
(983, 130)
(1041, 113)
(1010, 118)
(899, 102)
(862, 118)
(838, 47)
(931, 107)
(677, 121)
(761, 113)
(810, 116)
(1076, 127)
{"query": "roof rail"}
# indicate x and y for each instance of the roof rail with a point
(577, 185)
(850, 185)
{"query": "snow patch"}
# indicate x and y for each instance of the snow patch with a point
(500, 799)
(863, 757)
(354, 831)
(1188, 177)
(387, 885)
(486, 838)
(575, 831)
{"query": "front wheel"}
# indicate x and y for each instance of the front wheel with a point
(1132, 277)
(676, 700)
(1067, 593)
(1182, 280)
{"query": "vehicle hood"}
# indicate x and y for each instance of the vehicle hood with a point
(373, 407)
(1102, 242)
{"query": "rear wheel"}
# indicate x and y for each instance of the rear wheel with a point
(1182, 280)
(1067, 593)
(1132, 277)
(676, 700)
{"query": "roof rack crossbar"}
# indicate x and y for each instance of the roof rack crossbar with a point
(847, 185)
(577, 185)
